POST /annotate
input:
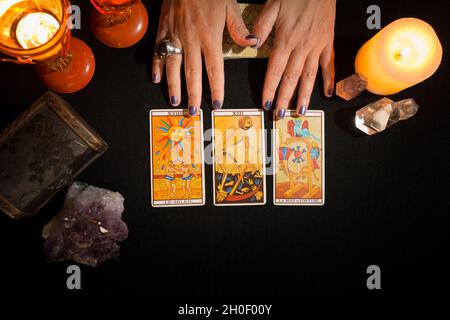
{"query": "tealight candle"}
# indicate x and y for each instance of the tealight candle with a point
(36, 29)
(38, 32)
(403, 54)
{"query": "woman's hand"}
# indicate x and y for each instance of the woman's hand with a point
(304, 36)
(197, 27)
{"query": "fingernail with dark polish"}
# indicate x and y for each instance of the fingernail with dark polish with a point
(268, 105)
(281, 113)
(256, 46)
(173, 100)
(192, 111)
(303, 110)
(155, 77)
(217, 104)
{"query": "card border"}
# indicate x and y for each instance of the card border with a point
(202, 144)
(263, 154)
(291, 113)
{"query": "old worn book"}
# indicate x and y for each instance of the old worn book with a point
(43, 151)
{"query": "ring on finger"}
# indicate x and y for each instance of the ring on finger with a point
(166, 48)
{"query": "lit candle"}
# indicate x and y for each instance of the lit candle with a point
(404, 53)
(36, 29)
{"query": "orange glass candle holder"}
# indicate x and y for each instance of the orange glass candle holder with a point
(37, 32)
(119, 23)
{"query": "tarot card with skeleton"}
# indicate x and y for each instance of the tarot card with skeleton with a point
(239, 169)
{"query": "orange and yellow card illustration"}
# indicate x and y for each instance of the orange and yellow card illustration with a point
(177, 159)
(299, 154)
(238, 166)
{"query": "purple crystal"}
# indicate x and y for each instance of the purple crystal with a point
(87, 228)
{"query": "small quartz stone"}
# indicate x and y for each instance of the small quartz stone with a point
(381, 114)
(407, 108)
(88, 227)
(351, 87)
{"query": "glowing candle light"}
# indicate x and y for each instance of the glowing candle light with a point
(5, 5)
(403, 54)
(36, 29)
(37, 32)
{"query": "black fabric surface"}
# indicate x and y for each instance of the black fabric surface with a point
(386, 196)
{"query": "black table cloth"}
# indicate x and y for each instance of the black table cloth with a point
(386, 196)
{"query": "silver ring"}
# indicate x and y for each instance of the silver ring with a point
(166, 48)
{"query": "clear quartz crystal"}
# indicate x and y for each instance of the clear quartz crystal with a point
(407, 108)
(381, 114)
(351, 87)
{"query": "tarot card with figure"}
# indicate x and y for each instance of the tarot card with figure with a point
(238, 148)
(177, 163)
(299, 159)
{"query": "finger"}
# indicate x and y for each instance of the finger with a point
(265, 22)
(307, 82)
(193, 73)
(290, 78)
(328, 71)
(237, 28)
(173, 66)
(157, 69)
(215, 69)
(275, 70)
(158, 63)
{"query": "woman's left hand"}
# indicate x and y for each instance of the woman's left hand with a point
(304, 36)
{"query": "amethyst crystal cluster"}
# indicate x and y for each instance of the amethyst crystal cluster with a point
(87, 228)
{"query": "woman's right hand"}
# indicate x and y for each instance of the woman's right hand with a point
(197, 27)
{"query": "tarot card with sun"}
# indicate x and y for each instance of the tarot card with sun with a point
(299, 159)
(177, 163)
(238, 147)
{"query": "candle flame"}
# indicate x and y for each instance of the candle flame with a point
(405, 52)
(36, 29)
